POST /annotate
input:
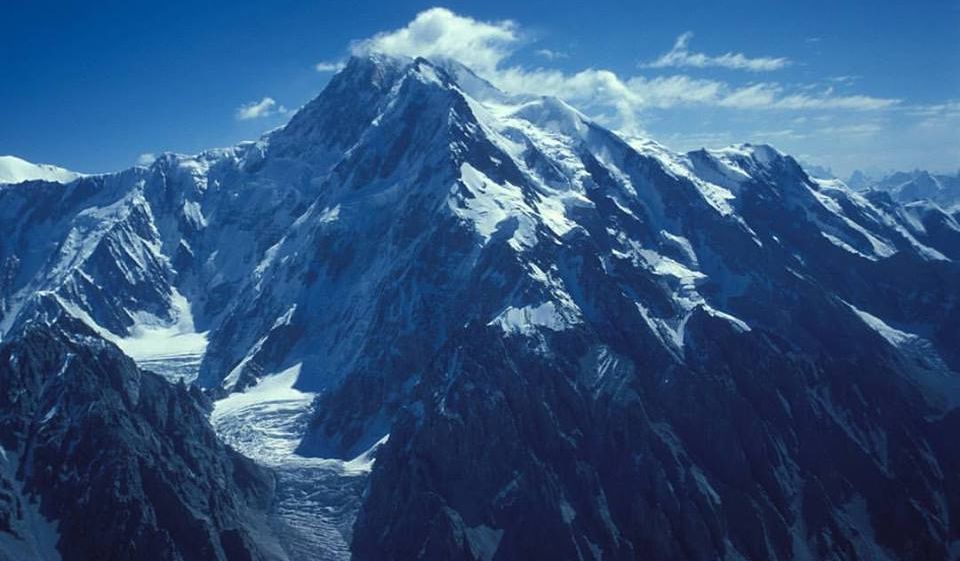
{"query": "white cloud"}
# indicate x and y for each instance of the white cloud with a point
(681, 56)
(329, 66)
(259, 109)
(550, 54)
(617, 101)
(146, 159)
(438, 32)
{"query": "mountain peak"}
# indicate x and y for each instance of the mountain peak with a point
(358, 98)
(18, 170)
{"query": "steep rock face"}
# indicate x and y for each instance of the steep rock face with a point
(120, 463)
(751, 451)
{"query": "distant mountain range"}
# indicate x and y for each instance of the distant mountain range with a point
(428, 319)
(912, 186)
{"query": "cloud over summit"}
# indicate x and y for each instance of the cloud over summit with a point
(488, 47)
(438, 32)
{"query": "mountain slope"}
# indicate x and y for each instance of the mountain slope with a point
(580, 345)
(122, 464)
(16, 170)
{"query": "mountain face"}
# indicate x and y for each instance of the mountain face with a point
(557, 342)
(16, 170)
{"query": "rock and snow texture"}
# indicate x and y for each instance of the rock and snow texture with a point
(26, 532)
(316, 498)
(16, 170)
(580, 345)
(103, 461)
(172, 348)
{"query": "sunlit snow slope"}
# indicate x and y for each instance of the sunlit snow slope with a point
(16, 170)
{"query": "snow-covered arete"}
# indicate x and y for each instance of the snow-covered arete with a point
(17, 170)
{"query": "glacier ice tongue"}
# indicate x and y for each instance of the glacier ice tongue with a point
(317, 498)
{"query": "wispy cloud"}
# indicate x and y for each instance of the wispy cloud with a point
(847, 79)
(259, 109)
(638, 93)
(328, 66)
(947, 110)
(681, 56)
(550, 54)
(859, 129)
(830, 101)
(944, 116)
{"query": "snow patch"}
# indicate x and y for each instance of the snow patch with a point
(156, 345)
(484, 541)
(894, 336)
(329, 215)
(363, 463)
(845, 246)
(491, 204)
(193, 213)
(663, 265)
(527, 319)
(737, 322)
(233, 376)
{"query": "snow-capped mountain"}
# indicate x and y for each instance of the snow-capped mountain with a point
(914, 186)
(555, 341)
(17, 170)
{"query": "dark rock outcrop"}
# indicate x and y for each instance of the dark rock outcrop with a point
(123, 463)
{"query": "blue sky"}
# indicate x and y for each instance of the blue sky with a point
(843, 84)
